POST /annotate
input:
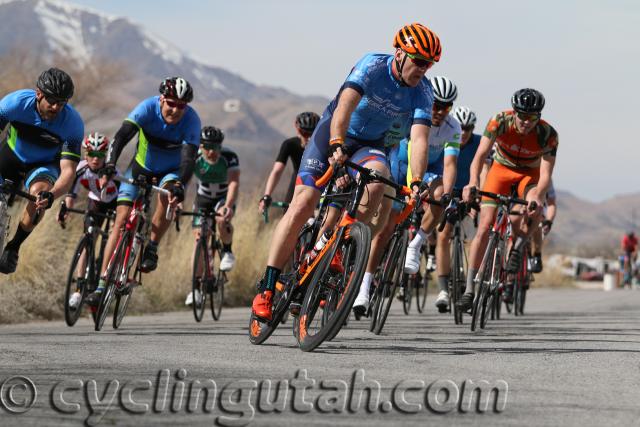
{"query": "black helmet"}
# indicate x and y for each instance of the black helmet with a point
(307, 121)
(55, 83)
(527, 101)
(177, 87)
(211, 135)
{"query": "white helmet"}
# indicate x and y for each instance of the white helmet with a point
(96, 141)
(465, 116)
(444, 89)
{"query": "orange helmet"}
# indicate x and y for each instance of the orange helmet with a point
(417, 39)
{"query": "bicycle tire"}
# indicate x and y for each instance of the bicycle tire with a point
(381, 282)
(492, 291)
(197, 282)
(456, 279)
(109, 290)
(407, 294)
(485, 275)
(4, 222)
(123, 296)
(217, 297)
(422, 283)
(72, 316)
(355, 248)
(395, 274)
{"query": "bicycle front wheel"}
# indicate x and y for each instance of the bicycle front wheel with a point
(123, 296)
(115, 267)
(422, 282)
(217, 297)
(392, 278)
(199, 292)
(334, 285)
(71, 315)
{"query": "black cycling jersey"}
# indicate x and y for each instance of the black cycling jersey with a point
(291, 148)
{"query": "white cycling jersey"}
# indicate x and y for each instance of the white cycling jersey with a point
(91, 181)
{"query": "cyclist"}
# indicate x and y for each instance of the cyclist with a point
(168, 138)
(291, 148)
(382, 92)
(629, 245)
(469, 144)
(525, 156)
(100, 200)
(41, 149)
(544, 229)
(218, 173)
(443, 150)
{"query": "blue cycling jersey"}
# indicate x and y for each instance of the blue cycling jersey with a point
(387, 108)
(159, 143)
(34, 140)
(465, 158)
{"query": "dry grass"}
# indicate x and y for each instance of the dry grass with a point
(36, 290)
(551, 277)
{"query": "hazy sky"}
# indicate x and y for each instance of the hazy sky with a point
(583, 55)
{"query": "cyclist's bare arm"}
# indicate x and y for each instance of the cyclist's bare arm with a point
(449, 174)
(551, 209)
(274, 178)
(233, 177)
(347, 103)
(547, 163)
(419, 150)
(476, 166)
(66, 178)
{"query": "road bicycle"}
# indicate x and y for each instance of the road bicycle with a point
(124, 272)
(207, 282)
(84, 280)
(8, 193)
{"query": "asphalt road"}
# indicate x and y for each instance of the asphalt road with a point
(574, 359)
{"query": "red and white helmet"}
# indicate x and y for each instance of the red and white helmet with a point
(96, 141)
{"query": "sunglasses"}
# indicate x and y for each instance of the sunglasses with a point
(99, 154)
(214, 147)
(441, 106)
(467, 128)
(178, 105)
(420, 61)
(55, 101)
(533, 117)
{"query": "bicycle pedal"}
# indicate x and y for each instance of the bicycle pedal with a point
(294, 308)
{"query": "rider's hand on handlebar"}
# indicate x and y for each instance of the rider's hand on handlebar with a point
(337, 152)
(177, 194)
(264, 203)
(45, 200)
(469, 193)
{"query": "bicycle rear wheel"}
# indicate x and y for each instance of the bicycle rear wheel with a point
(71, 316)
(456, 279)
(393, 273)
(331, 285)
(198, 277)
(113, 271)
(382, 280)
(4, 222)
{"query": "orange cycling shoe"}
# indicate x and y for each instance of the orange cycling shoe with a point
(263, 305)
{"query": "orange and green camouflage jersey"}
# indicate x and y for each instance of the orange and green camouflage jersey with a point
(515, 150)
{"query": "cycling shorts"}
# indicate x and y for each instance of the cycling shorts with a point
(11, 167)
(501, 178)
(128, 192)
(206, 204)
(315, 163)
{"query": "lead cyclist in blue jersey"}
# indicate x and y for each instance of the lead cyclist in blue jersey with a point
(381, 93)
(168, 139)
(41, 149)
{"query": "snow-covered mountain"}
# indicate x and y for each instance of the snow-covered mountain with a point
(256, 118)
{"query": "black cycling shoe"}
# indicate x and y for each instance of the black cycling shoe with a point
(466, 302)
(93, 299)
(507, 295)
(515, 258)
(9, 261)
(149, 259)
(536, 264)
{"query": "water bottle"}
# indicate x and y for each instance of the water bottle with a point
(318, 246)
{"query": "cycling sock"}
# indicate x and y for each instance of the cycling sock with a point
(432, 250)
(419, 239)
(153, 245)
(18, 238)
(443, 281)
(271, 276)
(101, 285)
(538, 254)
(518, 244)
(471, 275)
(366, 283)
(226, 247)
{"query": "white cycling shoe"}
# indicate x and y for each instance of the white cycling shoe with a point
(228, 261)
(442, 302)
(412, 261)
(189, 300)
(74, 300)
